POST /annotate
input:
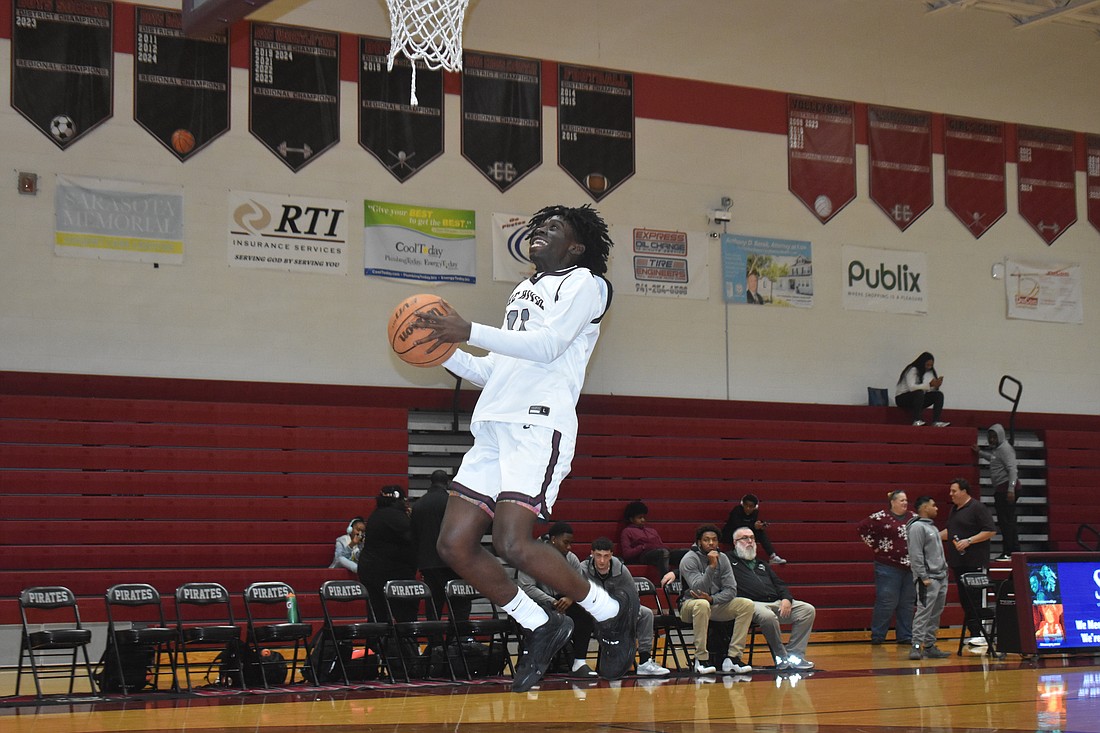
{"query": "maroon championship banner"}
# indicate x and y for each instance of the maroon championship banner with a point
(899, 146)
(502, 116)
(1047, 182)
(974, 172)
(1092, 178)
(596, 127)
(402, 137)
(821, 154)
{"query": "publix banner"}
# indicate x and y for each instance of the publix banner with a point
(413, 242)
(885, 280)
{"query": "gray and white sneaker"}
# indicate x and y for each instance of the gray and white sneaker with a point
(796, 662)
(733, 665)
(651, 669)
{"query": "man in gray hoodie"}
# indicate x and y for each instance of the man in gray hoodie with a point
(1004, 476)
(929, 566)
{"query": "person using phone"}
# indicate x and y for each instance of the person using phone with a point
(919, 388)
(349, 545)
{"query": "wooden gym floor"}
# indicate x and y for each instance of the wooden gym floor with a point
(856, 687)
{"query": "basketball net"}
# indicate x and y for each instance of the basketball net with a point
(428, 30)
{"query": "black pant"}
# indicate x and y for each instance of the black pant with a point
(915, 402)
(1006, 519)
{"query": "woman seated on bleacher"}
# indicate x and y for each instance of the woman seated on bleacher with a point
(349, 545)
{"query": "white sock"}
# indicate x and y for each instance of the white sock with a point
(598, 603)
(525, 611)
(578, 663)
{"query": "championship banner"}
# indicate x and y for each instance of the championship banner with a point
(502, 116)
(402, 137)
(62, 66)
(1047, 180)
(294, 92)
(118, 220)
(596, 127)
(899, 146)
(181, 85)
(767, 271)
(510, 261)
(1092, 179)
(884, 280)
(1043, 291)
(974, 172)
(296, 233)
(659, 263)
(821, 154)
(419, 243)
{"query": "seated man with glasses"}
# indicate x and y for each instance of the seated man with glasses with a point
(773, 603)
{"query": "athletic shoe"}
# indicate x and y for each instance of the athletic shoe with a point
(733, 665)
(918, 423)
(539, 647)
(616, 636)
(781, 664)
(934, 652)
(796, 662)
(915, 652)
(776, 560)
(977, 641)
(876, 642)
(583, 672)
(940, 424)
(651, 669)
(1003, 557)
(702, 667)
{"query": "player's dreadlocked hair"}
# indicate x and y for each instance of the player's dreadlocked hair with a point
(588, 228)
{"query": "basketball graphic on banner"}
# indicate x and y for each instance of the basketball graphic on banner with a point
(183, 142)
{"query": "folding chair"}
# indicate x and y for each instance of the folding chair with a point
(259, 602)
(204, 622)
(486, 620)
(341, 630)
(427, 624)
(671, 623)
(986, 616)
(53, 605)
(140, 630)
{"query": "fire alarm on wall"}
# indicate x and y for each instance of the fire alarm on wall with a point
(28, 183)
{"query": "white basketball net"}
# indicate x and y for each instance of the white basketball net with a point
(429, 30)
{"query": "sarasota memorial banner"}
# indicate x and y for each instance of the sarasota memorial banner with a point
(1043, 291)
(886, 280)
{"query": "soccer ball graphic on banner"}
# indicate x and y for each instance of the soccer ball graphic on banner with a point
(62, 128)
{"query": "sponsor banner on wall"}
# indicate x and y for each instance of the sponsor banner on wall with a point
(296, 233)
(502, 116)
(1092, 178)
(821, 154)
(974, 172)
(659, 263)
(899, 147)
(885, 280)
(294, 76)
(181, 85)
(1043, 291)
(118, 220)
(1046, 180)
(767, 271)
(402, 136)
(63, 66)
(596, 127)
(424, 243)
(510, 261)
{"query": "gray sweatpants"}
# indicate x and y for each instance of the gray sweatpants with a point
(930, 602)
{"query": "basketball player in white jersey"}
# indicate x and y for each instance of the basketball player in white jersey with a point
(525, 429)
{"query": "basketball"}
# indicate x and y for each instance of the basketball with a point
(183, 142)
(403, 335)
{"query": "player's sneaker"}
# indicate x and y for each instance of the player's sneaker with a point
(616, 636)
(583, 672)
(733, 665)
(651, 669)
(915, 652)
(539, 647)
(934, 652)
(796, 662)
(702, 668)
(776, 560)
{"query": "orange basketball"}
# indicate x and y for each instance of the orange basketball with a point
(183, 141)
(403, 335)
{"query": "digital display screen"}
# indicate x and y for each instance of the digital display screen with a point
(1065, 603)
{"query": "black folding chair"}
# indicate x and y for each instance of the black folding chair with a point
(204, 622)
(486, 621)
(136, 627)
(265, 602)
(347, 627)
(974, 610)
(673, 625)
(53, 605)
(427, 625)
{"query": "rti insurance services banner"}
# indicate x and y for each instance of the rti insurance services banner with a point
(413, 242)
(274, 231)
(1043, 292)
(118, 220)
(885, 280)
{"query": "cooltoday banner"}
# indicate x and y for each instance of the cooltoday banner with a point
(767, 271)
(510, 261)
(413, 242)
(1038, 291)
(885, 280)
(118, 220)
(659, 263)
(296, 233)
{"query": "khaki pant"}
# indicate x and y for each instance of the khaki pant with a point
(700, 613)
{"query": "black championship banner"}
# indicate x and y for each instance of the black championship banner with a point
(596, 127)
(402, 137)
(181, 85)
(1046, 180)
(502, 116)
(899, 148)
(974, 172)
(295, 91)
(821, 154)
(62, 66)
(1092, 178)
